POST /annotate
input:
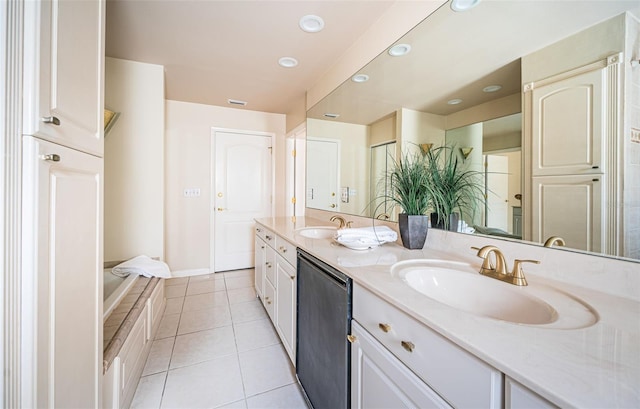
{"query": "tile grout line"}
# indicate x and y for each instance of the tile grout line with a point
(235, 341)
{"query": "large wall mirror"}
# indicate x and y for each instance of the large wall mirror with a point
(482, 80)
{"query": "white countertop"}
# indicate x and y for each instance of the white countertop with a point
(597, 366)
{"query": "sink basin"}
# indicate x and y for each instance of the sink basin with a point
(458, 285)
(317, 232)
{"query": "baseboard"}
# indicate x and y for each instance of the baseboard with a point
(189, 273)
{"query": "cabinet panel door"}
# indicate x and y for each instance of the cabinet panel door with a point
(569, 207)
(286, 305)
(380, 380)
(568, 125)
(260, 260)
(64, 72)
(63, 235)
(519, 397)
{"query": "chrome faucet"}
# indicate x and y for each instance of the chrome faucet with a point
(342, 222)
(499, 270)
(554, 240)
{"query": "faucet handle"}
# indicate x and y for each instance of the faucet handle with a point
(518, 273)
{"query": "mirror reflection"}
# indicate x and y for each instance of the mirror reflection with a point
(546, 97)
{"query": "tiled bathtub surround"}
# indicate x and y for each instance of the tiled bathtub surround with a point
(216, 348)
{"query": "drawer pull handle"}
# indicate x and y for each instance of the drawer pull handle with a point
(384, 327)
(283, 249)
(261, 247)
(351, 338)
(407, 345)
(50, 120)
(259, 230)
(292, 277)
(268, 264)
(267, 237)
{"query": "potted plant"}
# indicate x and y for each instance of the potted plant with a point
(411, 191)
(454, 187)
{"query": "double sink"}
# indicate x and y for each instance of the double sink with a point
(460, 286)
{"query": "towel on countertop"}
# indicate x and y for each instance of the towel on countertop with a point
(144, 266)
(377, 234)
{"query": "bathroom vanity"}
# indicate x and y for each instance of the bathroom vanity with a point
(413, 350)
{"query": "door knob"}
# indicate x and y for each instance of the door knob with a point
(52, 157)
(332, 205)
(220, 209)
(50, 120)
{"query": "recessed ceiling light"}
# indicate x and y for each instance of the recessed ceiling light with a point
(236, 102)
(463, 5)
(288, 62)
(311, 23)
(454, 101)
(332, 116)
(399, 50)
(492, 88)
(360, 78)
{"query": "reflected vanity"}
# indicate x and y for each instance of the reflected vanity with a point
(542, 178)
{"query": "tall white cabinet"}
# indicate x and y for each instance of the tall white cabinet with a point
(62, 196)
(571, 135)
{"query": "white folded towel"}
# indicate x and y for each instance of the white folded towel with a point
(377, 234)
(144, 266)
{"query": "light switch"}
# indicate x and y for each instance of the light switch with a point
(192, 192)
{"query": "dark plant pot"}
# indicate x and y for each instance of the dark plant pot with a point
(437, 221)
(413, 230)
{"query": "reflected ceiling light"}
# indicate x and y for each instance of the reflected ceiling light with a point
(399, 50)
(311, 23)
(492, 88)
(360, 78)
(463, 5)
(288, 62)
(332, 116)
(454, 101)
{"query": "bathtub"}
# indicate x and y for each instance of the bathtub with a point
(115, 289)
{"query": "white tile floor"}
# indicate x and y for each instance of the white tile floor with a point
(217, 348)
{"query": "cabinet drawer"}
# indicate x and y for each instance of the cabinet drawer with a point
(155, 307)
(286, 250)
(265, 234)
(459, 377)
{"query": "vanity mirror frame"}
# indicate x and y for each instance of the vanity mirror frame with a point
(366, 110)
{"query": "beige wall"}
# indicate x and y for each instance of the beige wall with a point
(134, 161)
(417, 127)
(508, 105)
(188, 165)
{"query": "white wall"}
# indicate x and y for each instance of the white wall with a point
(134, 161)
(188, 165)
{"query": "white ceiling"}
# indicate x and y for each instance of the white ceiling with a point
(215, 50)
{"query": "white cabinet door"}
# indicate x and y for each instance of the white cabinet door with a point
(260, 259)
(286, 305)
(380, 380)
(569, 207)
(568, 125)
(62, 242)
(64, 72)
(519, 397)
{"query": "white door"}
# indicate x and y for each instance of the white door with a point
(568, 125)
(63, 235)
(64, 72)
(569, 207)
(242, 193)
(497, 209)
(323, 173)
